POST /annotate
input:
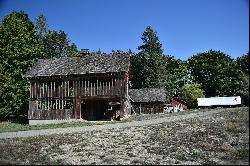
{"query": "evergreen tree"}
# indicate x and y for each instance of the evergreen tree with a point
(150, 58)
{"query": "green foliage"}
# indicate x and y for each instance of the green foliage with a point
(190, 93)
(241, 153)
(41, 26)
(151, 69)
(242, 63)
(220, 75)
(176, 75)
(54, 43)
(209, 69)
(150, 60)
(19, 49)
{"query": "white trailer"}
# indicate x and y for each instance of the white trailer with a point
(219, 101)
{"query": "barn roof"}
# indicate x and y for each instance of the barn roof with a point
(147, 94)
(92, 63)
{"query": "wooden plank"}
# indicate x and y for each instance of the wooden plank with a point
(64, 88)
(109, 88)
(97, 87)
(88, 88)
(59, 90)
(112, 87)
(85, 83)
(31, 90)
(78, 102)
(91, 88)
(82, 87)
(103, 88)
(35, 90)
(79, 88)
(115, 87)
(93, 93)
(43, 90)
(54, 89)
(68, 88)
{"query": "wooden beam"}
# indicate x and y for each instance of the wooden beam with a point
(67, 88)
(108, 87)
(91, 88)
(35, 89)
(30, 90)
(82, 87)
(85, 82)
(43, 90)
(88, 88)
(97, 87)
(51, 89)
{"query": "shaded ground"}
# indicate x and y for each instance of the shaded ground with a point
(221, 138)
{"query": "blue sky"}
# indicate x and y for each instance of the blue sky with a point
(184, 27)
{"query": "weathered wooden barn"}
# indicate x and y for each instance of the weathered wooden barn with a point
(147, 100)
(91, 87)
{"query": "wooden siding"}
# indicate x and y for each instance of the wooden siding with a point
(147, 108)
(50, 96)
(51, 114)
(75, 88)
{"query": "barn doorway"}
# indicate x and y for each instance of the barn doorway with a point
(93, 110)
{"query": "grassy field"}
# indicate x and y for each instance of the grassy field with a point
(221, 138)
(10, 127)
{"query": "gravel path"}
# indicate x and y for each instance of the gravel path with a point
(31, 133)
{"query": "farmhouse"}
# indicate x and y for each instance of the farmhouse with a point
(147, 100)
(91, 87)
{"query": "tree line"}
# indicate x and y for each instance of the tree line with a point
(22, 42)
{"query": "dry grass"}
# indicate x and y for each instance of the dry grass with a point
(221, 138)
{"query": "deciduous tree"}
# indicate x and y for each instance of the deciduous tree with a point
(19, 49)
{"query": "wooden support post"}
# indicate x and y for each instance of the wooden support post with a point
(35, 90)
(109, 88)
(93, 88)
(62, 104)
(64, 89)
(88, 88)
(81, 87)
(43, 90)
(97, 87)
(48, 104)
(39, 85)
(51, 89)
(76, 88)
(115, 87)
(85, 87)
(112, 87)
(30, 89)
(68, 88)
(54, 89)
(102, 87)
(59, 104)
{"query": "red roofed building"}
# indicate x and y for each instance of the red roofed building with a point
(179, 105)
